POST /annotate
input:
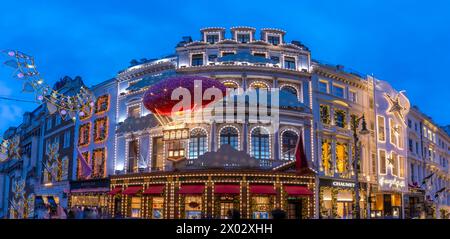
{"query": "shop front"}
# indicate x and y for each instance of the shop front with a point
(337, 199)
(90, 193)
(414, 203)
(212, 195)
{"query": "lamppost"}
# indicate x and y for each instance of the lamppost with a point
(364, 131)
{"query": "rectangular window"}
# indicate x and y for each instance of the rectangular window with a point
(323, 86)
(66, 139)
(381, 128)
(410, 145)
(393, 132)
(417, 148)
(289, 63)
(325, 114)
(212, 38)
(243, 37)
(197, 60)
(49, 123)
(133, 156)
(98, 163)
(134, 111)
(409, 123)
(353, 97)
(338, 91)
(102, 104)
(401, 161)
(340, 118)
(227, 53)
(274, 40)
(382, 156)
(260, 54)
(212, 57)
(394, 162)
(275, 59)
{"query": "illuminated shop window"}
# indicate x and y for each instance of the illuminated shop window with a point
(381, 128)
(100, 129)
(393, 133)
(157, 207)
(197, 60)
(325, 114)
(260, 147)
(136, 207)
(193, 207)
(102, 104)
(229, 135)
(289, 142)
(401, 161)
(98, 163)
(341, 157)
(327, 163)
(382, 156)
(261, 207)
(340, 118)
(84, 134)
(198, 144)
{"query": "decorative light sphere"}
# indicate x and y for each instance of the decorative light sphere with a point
(81, 113)
(11, 53)
(63, 112)
(40, 97)
(92, 104)
(20, 75)
(157, 98)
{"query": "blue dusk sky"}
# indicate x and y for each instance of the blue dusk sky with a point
(402, 42)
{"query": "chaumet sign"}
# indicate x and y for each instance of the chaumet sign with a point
(343, 184)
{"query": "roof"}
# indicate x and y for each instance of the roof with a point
(150, 80)
(137, 124)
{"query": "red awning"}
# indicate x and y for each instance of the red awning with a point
(115, 191)
(154, 189)
(192, 189)
(132, 190)
(262, 189)
(226, 189)
(295, 190)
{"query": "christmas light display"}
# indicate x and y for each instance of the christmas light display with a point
(25, 70)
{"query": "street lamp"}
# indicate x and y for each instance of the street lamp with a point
(364, 131)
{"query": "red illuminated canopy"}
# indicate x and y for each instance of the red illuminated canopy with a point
(226, 189)
(132, 190)
(115, 191)
(262, 189)
(192, 189)
(154, 189)
(294, 190)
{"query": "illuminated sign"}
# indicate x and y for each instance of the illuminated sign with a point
(394, 182)
(343, 184)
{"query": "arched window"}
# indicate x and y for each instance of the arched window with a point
(229, 135)
(259, 85)
(260, 147)
(230, 84)
(289, 89)
(198, 143)
(289, 142)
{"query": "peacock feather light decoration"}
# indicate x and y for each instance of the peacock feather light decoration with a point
(26, 71)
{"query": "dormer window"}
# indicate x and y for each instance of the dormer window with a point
(212, 38)
(275, 59)
(197, 60)
(289, 63)
(273, 39)
(243, 37)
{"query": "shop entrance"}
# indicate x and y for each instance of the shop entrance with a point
(157, 207)
(295, 207)
(117, 206)
(345, 209)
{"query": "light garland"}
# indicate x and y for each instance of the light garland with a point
(26, 70)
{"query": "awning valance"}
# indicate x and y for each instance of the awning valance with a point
(132, 190)
(296, 190)
(89, 190)
(116, 190)
(262, 189)
(192, 189)
(154, 189)
(226, 189)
